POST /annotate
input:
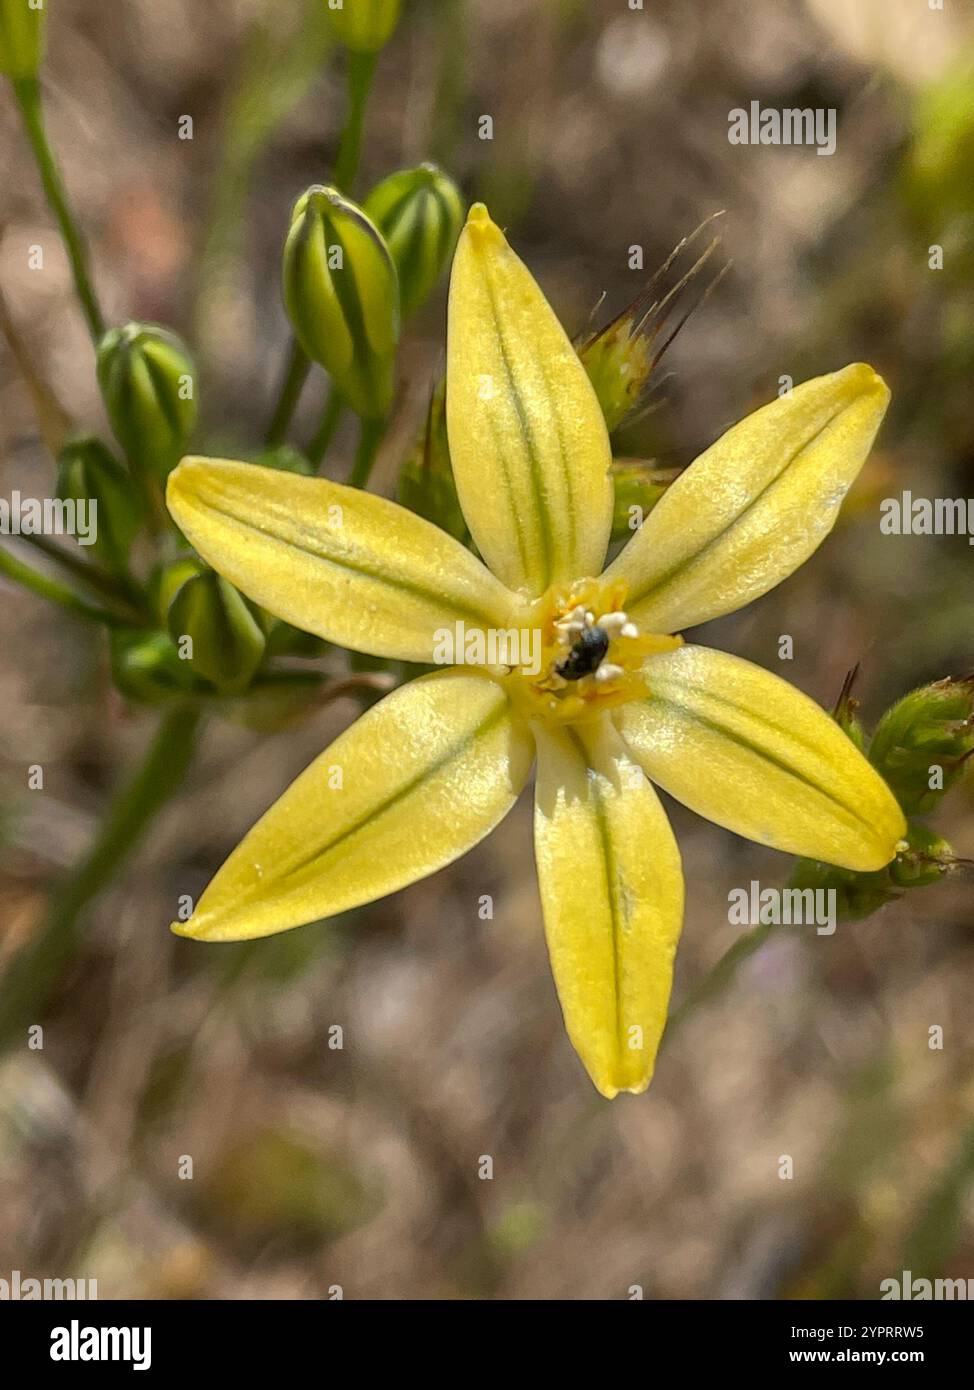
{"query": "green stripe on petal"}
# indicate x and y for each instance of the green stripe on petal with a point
(751, 509)
(336, 561)
(414, 783)
(527, 438)
(612, 893)
(749, 751)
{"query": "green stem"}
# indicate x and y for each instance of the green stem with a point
(28, 94)
(370, 437)
(120, 589)
(295, 375)
(318, 447)
(358, 75)
(55, 592)
(34, 974)
(451, 81)
(720, 976)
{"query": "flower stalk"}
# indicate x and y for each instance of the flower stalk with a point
(33, 975)
(27, 92)
(292, 384)
(54, 591)
(360, 73)
(371, 434)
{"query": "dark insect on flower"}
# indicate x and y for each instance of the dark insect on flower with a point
(588, 649)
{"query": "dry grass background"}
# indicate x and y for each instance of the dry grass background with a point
(359, 1168)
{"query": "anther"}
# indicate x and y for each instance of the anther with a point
(607, 672)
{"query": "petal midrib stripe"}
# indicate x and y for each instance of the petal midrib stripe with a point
(687, 561)
(742, 741)
(529, 444)
(401, 794)
(427, 595)
(592, 778)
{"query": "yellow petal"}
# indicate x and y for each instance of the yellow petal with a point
(527, 438)
(752, 508)
(612, 892)
(752, 753)
(336, 561)
(413, 784)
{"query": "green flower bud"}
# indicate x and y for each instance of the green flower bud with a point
(364, 26)
(146, 667)
(621, 357)
(148, 383)
(638, 487)
(923, 741)
(619, 360)
(342, 296)
(215, 631)
(22, 33)
(88, 472)
(166, 580)
(926, 860)
(420, 213)
(426, 484)
(285, 459)
(856, 895)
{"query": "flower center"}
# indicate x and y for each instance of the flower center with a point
(591, 654)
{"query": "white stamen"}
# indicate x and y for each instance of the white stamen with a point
(613, 623)
(607, 672)
(629, 630)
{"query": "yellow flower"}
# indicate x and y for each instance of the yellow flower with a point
(605, 696)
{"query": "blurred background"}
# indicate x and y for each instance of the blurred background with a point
(316, 1167)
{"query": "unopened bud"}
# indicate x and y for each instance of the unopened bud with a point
(926, 859)
(22, 33)
(637, 487)
(284, 458)
(148, 383)
(922, 743)
(166, 580)
(146, 667)
(364, 26)
(857, 895)
(227, 644)
(619, 360)
(90, 475)
(420, 213)
(342, 296)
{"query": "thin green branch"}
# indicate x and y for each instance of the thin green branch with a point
(46, 587)
(719, 976)
(370, 437)
(292, 384)
(358, 75)
(28, 94)
(35, 973)
(331, 415)
(118, 590)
